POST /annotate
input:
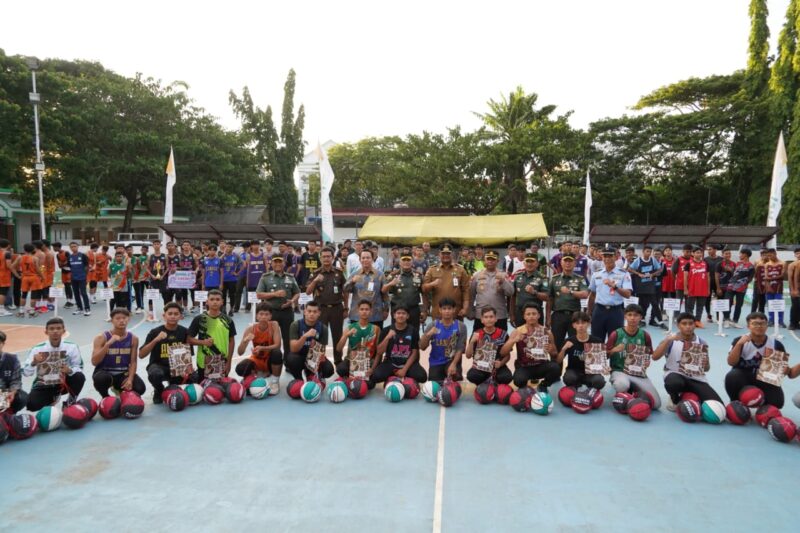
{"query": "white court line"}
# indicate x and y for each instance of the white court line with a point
(437, 499)
(794, 335)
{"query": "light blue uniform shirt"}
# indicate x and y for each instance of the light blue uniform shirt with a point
(603, 294)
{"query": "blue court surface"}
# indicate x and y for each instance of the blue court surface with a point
(368, 465)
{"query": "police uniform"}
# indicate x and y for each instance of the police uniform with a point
(271, 282)
(522, 297)
(454, 284)
(328, 293)
(608, 313)
(408, 291)
(564, 305)
(485, 292)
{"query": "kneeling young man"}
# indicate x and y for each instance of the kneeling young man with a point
(158, 344)
(746, 356)
(361, 339)
(575, 351)
(58, 367)
(630, 349)
(308, 338)
(266, 358)
(484, 347)
(686, 364)
(400, 343)
(536, 349)
(213, 332)
(447, 338)
(114, 357)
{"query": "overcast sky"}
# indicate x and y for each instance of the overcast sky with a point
(378, 68)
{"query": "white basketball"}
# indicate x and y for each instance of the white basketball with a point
(337, 392)
(259, 389)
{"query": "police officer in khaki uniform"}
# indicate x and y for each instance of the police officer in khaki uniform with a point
(530, 287)
(327, 286)
(281, 292)
(566, 291)
(490, 288)
(447, 280)
(405, 290)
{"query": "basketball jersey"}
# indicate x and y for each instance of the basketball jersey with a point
(77, 267)
(445, 344)
(119, 277)
(255, 270)
(774, 277)
(211, 273)
(668, 278)
(157, 265)
(498, 337)
(682, 262)
(27, 266)
(118, 357)
(49, 263)
(302, 327)
(5, 272)
(186, 262)
(618, 359)
(524, 357)
(262, 338)
(698, 278)
(752, 355)
(230, 263)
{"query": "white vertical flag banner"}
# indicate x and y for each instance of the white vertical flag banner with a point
(780, 173)
(587, 209)
(171, 178)
(325, 184)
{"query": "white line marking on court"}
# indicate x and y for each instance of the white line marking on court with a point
(437, 499)
(795, 336)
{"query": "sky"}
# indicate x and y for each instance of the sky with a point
(377, 68)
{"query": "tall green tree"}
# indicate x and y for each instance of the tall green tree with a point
(783, 74)
(278, 152)
(789, 218)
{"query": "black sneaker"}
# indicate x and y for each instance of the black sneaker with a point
(157, 398)
(68, 305)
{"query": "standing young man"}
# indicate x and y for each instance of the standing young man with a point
(794, 290)
(266, 357)
(114, 356)
(742, 275)
(213, 333)
(678, 268)
(231, 267)
(713, 261)
(6, 270)
(646, 268)
(212, 272)
(255, 266)
(32, 280)
(157, 271)
(52, 382)
(327, 287)
(447, 338)
(697, 283)
(62, 261)
(79, 269)
(759, 302)
(722, 278)
(186, 263)
(309, 262)
(773, 284)
(120, 271)
(157, 345)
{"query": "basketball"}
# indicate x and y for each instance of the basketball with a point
(337, 392)
(75, 416)
(621, 401)
(412, 388)
(90, 405)
(321, 382)
(782, 429)
(430, 391)
(457, 385)
(597, 399)
(357, 388)
(520, 399)
(294, 388)
(194, 392)
(751, 396)
(713, 412)
(110, 407)
(132, 405)
(247, 381)
(503, 393)
(765, 413)
(392, 379)
(226, 382)
(167, 391)
(688, 411)
(235, 392)
(485, 393)
(652, 401)
(176, 401)
(49, 418)
(448, 395)
(394, 391)
(22, 426)
(541, 403)
(311, 391)
(690, 396)
(565, 396)
(3, 431)
(258, 388)
(737, 413)
(213, 394)
(639, 409)
(582, 401)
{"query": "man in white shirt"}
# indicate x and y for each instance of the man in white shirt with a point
(57, 366)
(354, 259)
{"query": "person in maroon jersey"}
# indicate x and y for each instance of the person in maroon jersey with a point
(678, 268)
(759, 298)
(697, 283)
(773, 283)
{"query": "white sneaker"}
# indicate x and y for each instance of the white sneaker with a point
(274, 386)
(108, 319)
(139, 311)
(94, 300)
(12, 307)
(3, 312)
(87, 313)
(77, 312)
(670, 405)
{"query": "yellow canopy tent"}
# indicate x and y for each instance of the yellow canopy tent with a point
(490, 230)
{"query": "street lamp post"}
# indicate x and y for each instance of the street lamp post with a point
(33, 64)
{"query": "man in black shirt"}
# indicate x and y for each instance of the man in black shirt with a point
(400, 344)
(309, 262)
(157, 345)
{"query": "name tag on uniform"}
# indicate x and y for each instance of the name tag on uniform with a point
(455, 282)
(335, 289)
(371, 286)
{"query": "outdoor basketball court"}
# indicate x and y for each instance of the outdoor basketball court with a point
(283, 465)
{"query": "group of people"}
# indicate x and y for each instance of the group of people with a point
(577, 314)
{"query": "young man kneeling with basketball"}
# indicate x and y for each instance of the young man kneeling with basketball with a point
(447, 338)
(308, 338)
(536, 349)
(66, 378)
(266, 358)
(361, 339)
(114, 357)
(630, 349)
(484, 348)
(159, 343)
(400, 343)
(575, 349)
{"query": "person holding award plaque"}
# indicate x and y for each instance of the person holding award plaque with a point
(484, 349)
(169, 351)
(686, 363)
(536, 349)
(266, 357)
(308, 341)
(214, 333)
(114, 356)
(58, 367)
(760, 361)
(630, 348)
(361, 339)
(447, 338)
(400, 344)
(587, 360)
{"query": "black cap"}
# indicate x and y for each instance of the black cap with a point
(609, 250)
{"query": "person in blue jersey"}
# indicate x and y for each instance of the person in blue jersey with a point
(79, 268)
(447, 338)
(212, 272)
(256, 265)
(231, 265)
(114, 355)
